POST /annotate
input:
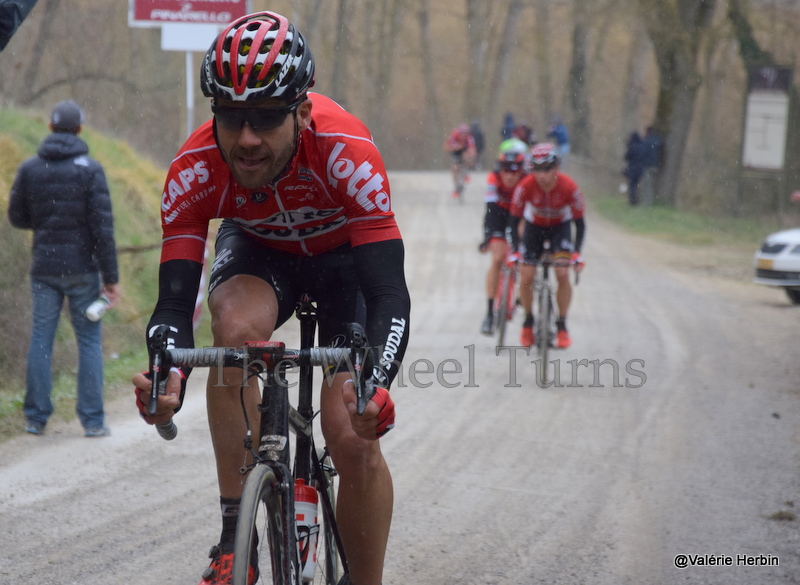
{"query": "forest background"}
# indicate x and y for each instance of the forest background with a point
(413, 69)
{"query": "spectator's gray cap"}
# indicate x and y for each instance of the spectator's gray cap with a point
(66, 117)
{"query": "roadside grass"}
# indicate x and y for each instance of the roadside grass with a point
(685, 227)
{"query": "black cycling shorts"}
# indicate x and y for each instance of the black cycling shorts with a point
(534, 237)
(494, 222)
(329, 279)
(457, 156)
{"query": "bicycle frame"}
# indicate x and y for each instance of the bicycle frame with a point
(545, 320)
(461, 179)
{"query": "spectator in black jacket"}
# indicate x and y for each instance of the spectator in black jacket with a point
(635, 159)
(61, 194)
(653, 146)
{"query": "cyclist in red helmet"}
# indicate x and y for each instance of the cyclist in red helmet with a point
(460, 145)
(306, 208)
(500, 184)
(550, 202)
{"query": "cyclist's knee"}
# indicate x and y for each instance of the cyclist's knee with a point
(231, 324)
(233, 328)
(353, 456)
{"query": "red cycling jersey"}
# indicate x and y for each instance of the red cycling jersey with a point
(336, 191)
(563, 203)
(458, 141)
(497, 192)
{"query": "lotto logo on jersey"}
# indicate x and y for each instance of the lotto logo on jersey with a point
(365, 186)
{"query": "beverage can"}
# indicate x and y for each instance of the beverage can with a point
(97, 309)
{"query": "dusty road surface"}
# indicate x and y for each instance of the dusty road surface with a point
(691, 449)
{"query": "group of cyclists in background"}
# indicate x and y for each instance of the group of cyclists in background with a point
(530, 207)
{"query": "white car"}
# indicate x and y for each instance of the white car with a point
(777, 262)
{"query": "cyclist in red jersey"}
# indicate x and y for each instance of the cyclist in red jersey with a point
(306, 205)
(461, 147)
(500, 186)
(549, 201)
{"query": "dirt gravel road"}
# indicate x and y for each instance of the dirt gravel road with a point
(692, 449)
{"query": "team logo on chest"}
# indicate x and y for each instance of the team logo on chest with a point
(259, 196)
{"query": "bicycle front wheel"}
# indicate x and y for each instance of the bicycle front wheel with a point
(543, 331)
(329, 570)
(501, 315)
(264, 533)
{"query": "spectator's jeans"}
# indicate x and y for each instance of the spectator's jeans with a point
(648, 185)
(48, 298)
(633, 183)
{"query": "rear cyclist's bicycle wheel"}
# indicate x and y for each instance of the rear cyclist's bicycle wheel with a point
(543, 332)
(501, 306)
(461, 180)
(263, 533)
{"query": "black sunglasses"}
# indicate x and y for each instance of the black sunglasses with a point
(543, 168)
(259, 119)
(511, 167)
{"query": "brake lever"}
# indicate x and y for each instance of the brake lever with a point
(158, 349)
(363, 364)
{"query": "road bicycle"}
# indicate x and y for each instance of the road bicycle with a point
(546, 306)
(505, 298)
(462, 178)
(268, 503)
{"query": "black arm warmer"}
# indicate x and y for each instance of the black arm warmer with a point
(580, 230)
(513, 232)
(382, 280)
(178, 281)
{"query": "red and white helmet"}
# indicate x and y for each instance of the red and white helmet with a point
(545, 154)
(258, 56)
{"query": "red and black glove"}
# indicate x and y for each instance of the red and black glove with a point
(386, 412)
(143, 396)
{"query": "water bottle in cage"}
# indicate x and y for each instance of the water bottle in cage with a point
(305, 505)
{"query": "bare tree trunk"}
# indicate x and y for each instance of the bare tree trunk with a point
(26, 90)
(541, 49)
(436, 128)
(677, 33)
(749, 48)
(390, 15)
(477, 48)
(634, 86)
(310, 22)
(508, 39)
(580, 135)
(339, 69)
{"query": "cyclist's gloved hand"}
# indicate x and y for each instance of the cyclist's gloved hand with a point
(577, 261)
(378, 418)
(167, 403)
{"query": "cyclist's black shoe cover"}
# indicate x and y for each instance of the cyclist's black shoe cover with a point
(486, 328)
(219, 572)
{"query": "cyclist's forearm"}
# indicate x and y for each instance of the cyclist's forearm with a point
(382, 280)
(580, 231)
(513, 231)
(177, 292)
